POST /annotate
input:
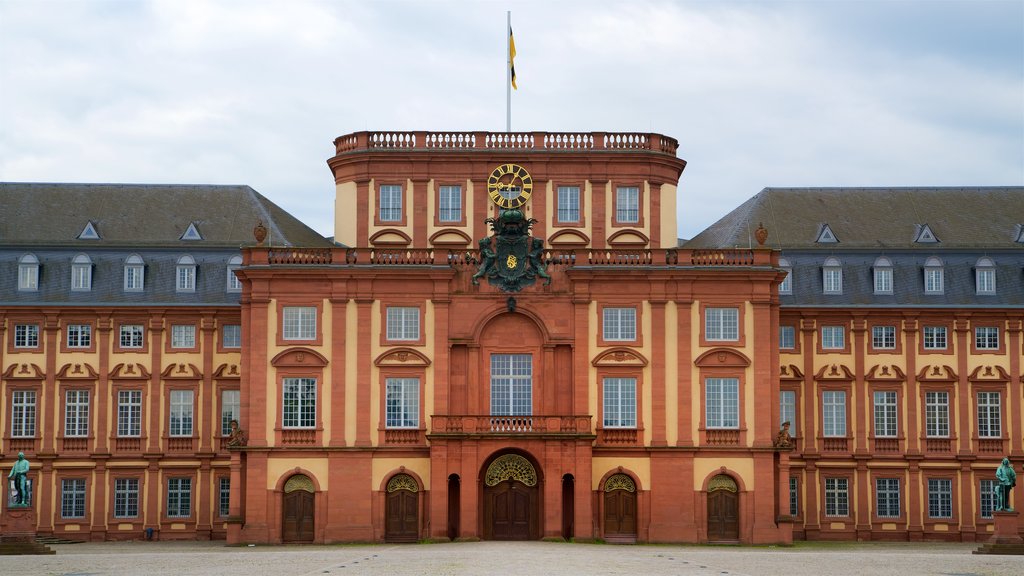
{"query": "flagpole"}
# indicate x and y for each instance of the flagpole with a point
(508, 72)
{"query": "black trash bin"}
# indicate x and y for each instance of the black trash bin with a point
(149, 533)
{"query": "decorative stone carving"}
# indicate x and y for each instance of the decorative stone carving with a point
(299, 482)
(402, 482)
(620, 482)
(723, 482)
(510, 467)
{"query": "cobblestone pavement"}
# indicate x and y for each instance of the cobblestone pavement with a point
(511, 558)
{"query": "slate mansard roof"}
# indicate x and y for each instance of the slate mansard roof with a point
(148, 221)
(967, 224)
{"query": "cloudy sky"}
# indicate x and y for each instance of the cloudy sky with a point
(819, 93)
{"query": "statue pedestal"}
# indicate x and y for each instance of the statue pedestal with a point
(1006, 538)
(18, 532)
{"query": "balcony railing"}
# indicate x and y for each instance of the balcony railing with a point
(298, 437)
(74, 445)
(178, 444)
(477, 141)
(937, 444)
(22, 445)
(723, 437)
(403, 436)
(887, 445)
(990, 446)
(128, 444)
(618, 436)
(835, 444)
(476, 424)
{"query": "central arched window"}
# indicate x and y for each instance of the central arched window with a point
(832, 276)
(28, 273)
(186, 274)
(985, 276)
(933, 276)
(134, 274)
(882, 272)
(81, 273)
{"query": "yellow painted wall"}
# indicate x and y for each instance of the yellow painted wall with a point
(641, 467)
(345, 213)
(669, 229)
(351, 369)
(671, 373)
(278, 468)
(704, 467)
(382, 467)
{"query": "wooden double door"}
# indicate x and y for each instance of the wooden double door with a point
(511, 511)
(723, 516)
(620, 516)
(298, 518)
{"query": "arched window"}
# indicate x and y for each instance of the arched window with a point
(832, 276)
(28, 273)
(186, 274)
(985, 275)
(234, 284)
(882, 272)
(81, 273)
(933, 276)
(134, 274)
(786, 287)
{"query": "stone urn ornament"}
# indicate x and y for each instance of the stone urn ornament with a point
(260, 233)
(761, 234)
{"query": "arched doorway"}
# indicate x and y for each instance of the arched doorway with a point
(401, 510)
(620, 509)
(454, 505)
(511, 499)
(298, 517)
(723, 509)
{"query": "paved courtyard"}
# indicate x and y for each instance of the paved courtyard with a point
(510, 558)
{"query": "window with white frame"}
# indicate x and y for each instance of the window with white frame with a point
(986, 337)
(619, 402)
(231, 335)
(787, 337)
(883, 337)
(568, 203)
(619, 324)
(934, 337)
(933, 273)
(224, 496)
(126, 498)
(882, 275)
(129, 413)
(832, 276)
(837, 497)
(299, 403)
(23, 414)
(179, 497)
(627, 204)
(28, 273)
(722, 324)
(787, 410)
(72, 498)
(26, 335)
(722, 403)
(985, 276)
(81, 273)
(450, 204)
(833, 410)
(989, 415)
(936, 414)
(234, 283)
(78, 335)
(887, 497)
(186, 274)
(134, 274)
(511, 384)
(183, 336)
(76, 413)
(987, 493)
(833, 337)
(402, 403)
(390, 203)
(940, 498)
(885, 414)
(794, 497)
(299, 322)
(230, 409)
(786, 286)
(403, 323)
(131, 335)
(181, 413)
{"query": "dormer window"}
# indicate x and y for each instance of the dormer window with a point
(826, 236)
(89, 232)
(924, 235)
(1019, 236)
(985, 276)
(134, 274)
(933, 281)
(786, 287)
(882, 272)
(191, 233)
(28, 273)
(234, 284)
(81, 273)
(832, 276)
(186, 274)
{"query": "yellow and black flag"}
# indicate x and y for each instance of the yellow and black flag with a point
(512, 57)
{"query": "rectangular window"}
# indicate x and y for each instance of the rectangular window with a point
(133, 278)
(450, 204)
(837, 497)
(933, 280)
(986, 280)
(403, 323)
(832, 278)
(299, 322)
(183, 336)
(787, 337)
(179, 497)
(231, 336)
(181, 413)
(28, 277)
(987, 493)
(833, 408)
(885, 414)
(722, 402)
(126, 498)
(511, 384)
(934, 337)
(833, 337)
(619, 324)
(72, 498)
(26, 335)
(568, 203)
(230, 409)
(224, 496)
(722, 324)
(883, 280)
(79, 335)
(186, 278)
(627, 204)
(883, 337)
(23, 414)
(76, 413)
(131, 336)
(794, 497)
(887, 497)
(129, 413)
(787, 410)
(299, 403)
(81, 277)
(620, 402)
(234, 282)
(986, 338)
(940, 498)
(402, 403)
(936, 414)
(390, 203)
(989, 421)
(786, 286)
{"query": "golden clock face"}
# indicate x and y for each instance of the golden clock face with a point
(509, 186)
